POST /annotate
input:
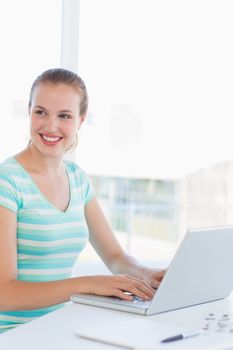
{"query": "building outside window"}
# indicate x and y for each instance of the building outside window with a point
(159, 77)
(157, 141)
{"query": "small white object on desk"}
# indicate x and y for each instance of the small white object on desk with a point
(147, 335)
(221, 322)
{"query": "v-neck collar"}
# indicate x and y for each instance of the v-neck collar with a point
(39, 191)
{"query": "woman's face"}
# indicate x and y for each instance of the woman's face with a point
(55, 118)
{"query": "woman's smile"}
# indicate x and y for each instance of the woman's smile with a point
(55, 118)
(50, 140)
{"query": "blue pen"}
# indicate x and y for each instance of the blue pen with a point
(181, 336)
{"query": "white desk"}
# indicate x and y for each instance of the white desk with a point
(55, 330)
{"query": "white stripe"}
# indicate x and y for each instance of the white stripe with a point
(30, 196)
(5, 184)
(51, 256)
(9, 326)
(21, 180)
(15, 319)
(77, 208)
(8, 202)
(75, 175)
(63, 225)
(48, 212)
(55, 243)
(37, 272)
(10, 165)
(42, 212)
(77, 190)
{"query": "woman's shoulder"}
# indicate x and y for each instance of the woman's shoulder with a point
(8, 174)
(10, 191)
(7, 163)
(8, 166)
(72, 166)
(12, 172)
(74, 169)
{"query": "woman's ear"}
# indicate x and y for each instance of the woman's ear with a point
(82, 119)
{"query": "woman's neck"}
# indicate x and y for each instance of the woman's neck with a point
(34, 162)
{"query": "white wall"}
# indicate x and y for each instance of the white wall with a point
(30, 37)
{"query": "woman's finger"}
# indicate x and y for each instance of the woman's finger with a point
(122, 295)
(138, 288)
(143, 285)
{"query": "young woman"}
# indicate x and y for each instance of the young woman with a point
(48, 211)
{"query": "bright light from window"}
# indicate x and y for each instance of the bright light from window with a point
(159, 75)
(30, 35)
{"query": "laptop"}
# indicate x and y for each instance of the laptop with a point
(201, 271)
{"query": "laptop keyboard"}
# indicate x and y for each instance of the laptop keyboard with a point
(136, 300)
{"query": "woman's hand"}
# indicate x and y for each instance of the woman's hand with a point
(117, 285)
(153, 277)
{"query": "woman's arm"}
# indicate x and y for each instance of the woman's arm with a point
(20, 295)
(104, 242)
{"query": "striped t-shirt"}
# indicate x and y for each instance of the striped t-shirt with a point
(48, 239)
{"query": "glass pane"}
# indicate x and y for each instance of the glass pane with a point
(30, 35)
(159, 75)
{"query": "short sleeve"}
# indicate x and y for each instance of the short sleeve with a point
(88, 189)
(8, 194)
(82, 182)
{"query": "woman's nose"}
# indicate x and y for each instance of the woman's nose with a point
(52, 124)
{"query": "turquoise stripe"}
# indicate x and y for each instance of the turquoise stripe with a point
(43, 237)
(56, 232)
(63, 247)
(30, 189)
(46, 266)
(47, 263)
(10, 323)
(42, 278)
(42, 251)
(32, 313)
(6, 205)
(6, 329)
(39, 258)
(46, 220)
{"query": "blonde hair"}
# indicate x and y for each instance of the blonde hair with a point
(61, 75)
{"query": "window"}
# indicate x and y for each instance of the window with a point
(159, 77)
(30, 39)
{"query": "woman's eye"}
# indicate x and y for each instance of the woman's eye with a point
(39, 112)
(65, 116)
